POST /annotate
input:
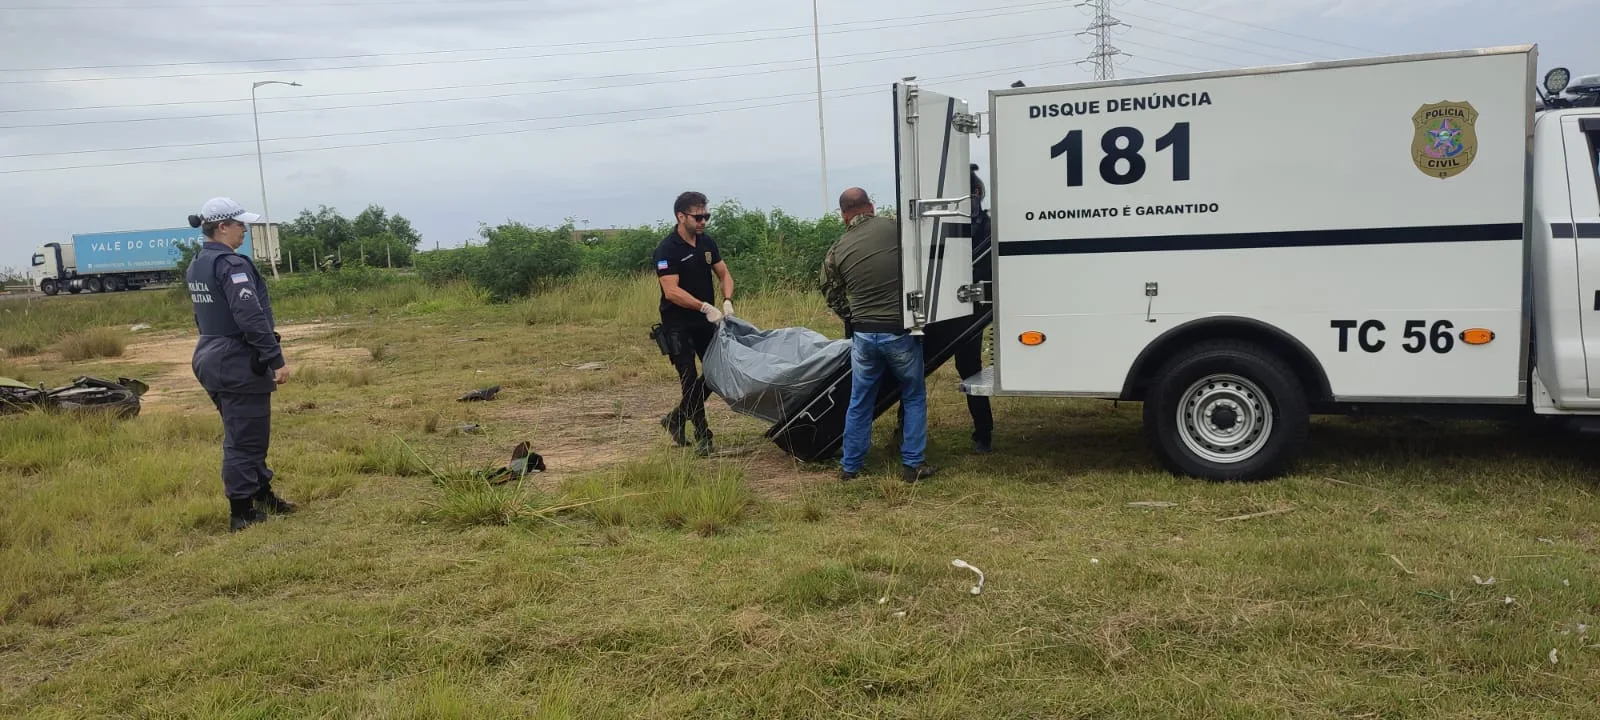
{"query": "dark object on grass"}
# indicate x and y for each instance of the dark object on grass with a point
(487, 393)
(524, 462)
(84, 394)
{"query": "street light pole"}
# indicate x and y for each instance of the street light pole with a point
(822, 135)
(261, 171)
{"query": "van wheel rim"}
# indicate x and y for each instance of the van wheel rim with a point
(1224, 419)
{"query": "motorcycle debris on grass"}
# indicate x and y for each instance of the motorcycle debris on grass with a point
(84, 394)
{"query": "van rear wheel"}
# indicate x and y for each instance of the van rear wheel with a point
(1227, 410)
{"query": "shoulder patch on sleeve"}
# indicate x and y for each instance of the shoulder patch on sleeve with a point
(661, 264)
(239, 278)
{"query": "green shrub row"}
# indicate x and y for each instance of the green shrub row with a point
(763, 250)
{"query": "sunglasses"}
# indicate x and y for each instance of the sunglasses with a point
(702, 217)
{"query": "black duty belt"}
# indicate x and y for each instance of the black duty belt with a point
(877, 327)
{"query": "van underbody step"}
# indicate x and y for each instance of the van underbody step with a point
(980, 384)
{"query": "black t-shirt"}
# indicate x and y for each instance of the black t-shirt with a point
(692, 264)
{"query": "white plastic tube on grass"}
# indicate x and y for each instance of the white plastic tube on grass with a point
(958, 562)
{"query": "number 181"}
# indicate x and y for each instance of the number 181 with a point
(1124, 143)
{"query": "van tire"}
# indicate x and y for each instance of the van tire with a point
(1244, 412)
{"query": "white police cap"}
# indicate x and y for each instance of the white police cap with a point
(221, 208)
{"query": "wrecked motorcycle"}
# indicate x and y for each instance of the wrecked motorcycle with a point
(91, 394)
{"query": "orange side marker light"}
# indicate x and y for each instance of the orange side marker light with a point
(1031, 337)
(1477, 336)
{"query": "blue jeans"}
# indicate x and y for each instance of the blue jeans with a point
(870, 355)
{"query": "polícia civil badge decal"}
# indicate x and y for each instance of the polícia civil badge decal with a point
(1445, 139)
(708, 257)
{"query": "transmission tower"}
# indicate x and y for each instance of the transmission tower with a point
(1103, 57)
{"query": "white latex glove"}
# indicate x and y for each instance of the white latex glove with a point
(727, 308)
(711, 313)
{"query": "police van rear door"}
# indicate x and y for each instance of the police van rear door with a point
(933, 188)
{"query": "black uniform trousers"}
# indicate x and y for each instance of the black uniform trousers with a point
(683, 343)
(969, 362)
(246, 431)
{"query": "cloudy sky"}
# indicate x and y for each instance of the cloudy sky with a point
(131, 114)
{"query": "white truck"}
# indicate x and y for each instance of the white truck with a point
(1240, 250)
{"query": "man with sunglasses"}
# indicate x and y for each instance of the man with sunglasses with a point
(685, 261)
(238, 359)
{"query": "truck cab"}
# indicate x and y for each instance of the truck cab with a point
(1566, 253)
(52, 269)
(1241, 250)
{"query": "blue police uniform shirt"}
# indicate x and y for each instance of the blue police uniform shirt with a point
(982, 258)
(238, 349)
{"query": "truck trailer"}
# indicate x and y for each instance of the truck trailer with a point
(114, 261)
(1241, 250)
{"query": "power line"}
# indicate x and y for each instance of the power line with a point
(876, 25)
(393, 65)
(1168, 63)
(1219, 45)
(315, 5)
(513, 83)
(428, 101)
(1192, 56)
(941, 50)
(838, 95)
(509, 83)
(601, 77)
(936, 50)
(1259, 27)
(446, 126)
(1236, 38)
(366, 132)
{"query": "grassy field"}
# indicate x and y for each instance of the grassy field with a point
(1407, 569)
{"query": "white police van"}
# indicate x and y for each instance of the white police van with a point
(1240, 250)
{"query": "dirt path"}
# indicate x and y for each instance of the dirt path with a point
(174, 387)
(577, 433)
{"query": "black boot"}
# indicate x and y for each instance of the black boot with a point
(243, 513)
(673, 423)
(703, 445)
(269, 502)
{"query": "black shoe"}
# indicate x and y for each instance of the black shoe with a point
(920, 472)
(846, 476)
(674, 427)
(243, 513)
(982, 447)
(703, 445)
(269, 502)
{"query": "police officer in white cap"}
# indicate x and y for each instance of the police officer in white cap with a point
(238, 359)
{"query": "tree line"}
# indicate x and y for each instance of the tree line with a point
(325, 239)
(765, 249)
